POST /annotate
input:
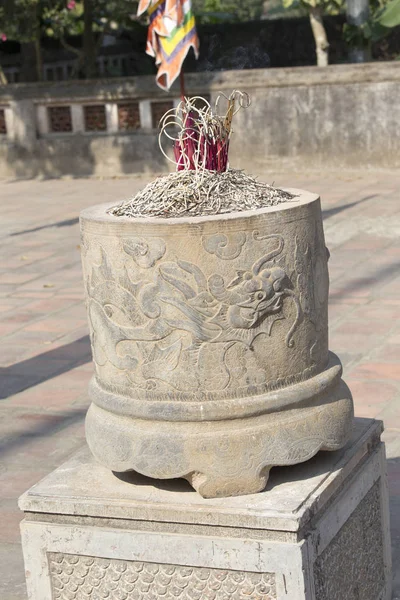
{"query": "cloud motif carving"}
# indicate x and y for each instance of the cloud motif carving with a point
(145, 255)
(223, 246)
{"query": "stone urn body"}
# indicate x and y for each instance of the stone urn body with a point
(210, 343)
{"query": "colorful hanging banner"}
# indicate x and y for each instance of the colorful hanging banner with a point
(172, 32)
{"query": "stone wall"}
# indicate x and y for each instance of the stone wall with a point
(341, 116)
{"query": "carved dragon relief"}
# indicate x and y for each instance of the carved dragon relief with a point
(313, 283)
(166, 333)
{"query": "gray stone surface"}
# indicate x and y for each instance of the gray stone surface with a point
(87, 532)
(352, 566)
(210, 343)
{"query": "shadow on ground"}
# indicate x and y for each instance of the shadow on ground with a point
(46, 428)
(66, 223)
(381, 275)
(335, 210)
(27, 373)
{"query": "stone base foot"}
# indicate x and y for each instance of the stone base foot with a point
(216, 486)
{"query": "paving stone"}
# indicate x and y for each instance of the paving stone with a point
(371, 397)
(12, 580)
(21, 317)
(32, 294)
(15, 483)
(6, 328)
(14, 277)
(10, 520)
(379, 371)
(48, 397)
(58, 324)
(391, 415)
(356, 343)
(388, 352)
(375, 311)
(365, 326)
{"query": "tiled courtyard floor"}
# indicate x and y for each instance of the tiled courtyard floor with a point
(45, 355)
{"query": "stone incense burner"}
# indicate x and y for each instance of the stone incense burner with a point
(210, 343)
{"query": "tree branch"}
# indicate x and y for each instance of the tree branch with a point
(69, 47)
(321, 40)
(3, 77)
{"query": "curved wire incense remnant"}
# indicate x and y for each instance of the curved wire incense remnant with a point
(200, 136)
(197, 193)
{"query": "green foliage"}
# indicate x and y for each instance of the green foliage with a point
(383, 17)
(211, 12)
(212, 6)
(66, 18)
(60, 21)
(227, 10)
(19, 19)
(360, 36)
(331, 7)
(27, 21)
(390, 15)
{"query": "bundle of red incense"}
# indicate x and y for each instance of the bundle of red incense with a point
(203, 142)
(200, 136)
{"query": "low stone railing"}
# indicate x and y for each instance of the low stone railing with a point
(69, 116)
(339, 116)
(67, 127)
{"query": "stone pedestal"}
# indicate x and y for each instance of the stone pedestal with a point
(320, 531)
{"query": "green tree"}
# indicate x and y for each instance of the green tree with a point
(27, 21)
(20, 20)
(92, 19)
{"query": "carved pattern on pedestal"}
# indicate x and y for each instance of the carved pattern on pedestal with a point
(352, 566)
(76, 577)
(164, 325)
(224, 246)
(143, 254)
(313, 283)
